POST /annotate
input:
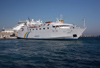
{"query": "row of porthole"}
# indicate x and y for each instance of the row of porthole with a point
(39, 28)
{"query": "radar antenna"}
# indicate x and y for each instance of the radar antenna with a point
(84, 23)
(61, 17)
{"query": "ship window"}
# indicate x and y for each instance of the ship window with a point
(57, 26)
(33, 29)
(36, 29)
(48, 24)
(74, 35)
(44, 28)
(53, 26)
(39, 28)
(64, 25)
(47, 27)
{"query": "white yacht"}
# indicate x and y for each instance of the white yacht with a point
(49, 30)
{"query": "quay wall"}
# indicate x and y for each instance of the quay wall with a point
(5, 35)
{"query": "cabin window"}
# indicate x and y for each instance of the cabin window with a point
(48, 24)
(36, 29)
(53, 26)
(33, 29)
(43, 28)
(39, 28)
(57, 26)
(74, 35)
(47, 27)
(62, 26)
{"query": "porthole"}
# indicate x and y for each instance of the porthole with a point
(47, 27)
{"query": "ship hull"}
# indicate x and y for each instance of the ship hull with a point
(68, 34)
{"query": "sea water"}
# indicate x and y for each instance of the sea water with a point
(21, 53)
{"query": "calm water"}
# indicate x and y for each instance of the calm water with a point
(81, 53)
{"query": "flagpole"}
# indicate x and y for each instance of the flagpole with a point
(84, 22)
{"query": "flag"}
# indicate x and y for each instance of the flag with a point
(83, 20)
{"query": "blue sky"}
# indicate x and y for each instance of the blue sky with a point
(73, 11)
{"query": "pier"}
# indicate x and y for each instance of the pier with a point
(5, 35)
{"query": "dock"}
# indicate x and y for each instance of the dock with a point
(5, 35)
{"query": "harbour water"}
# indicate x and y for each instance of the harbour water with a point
(81, 53)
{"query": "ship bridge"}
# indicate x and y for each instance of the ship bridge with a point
(61, 25)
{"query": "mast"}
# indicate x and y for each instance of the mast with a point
(29, 19)
(84, 23)
(61, 19)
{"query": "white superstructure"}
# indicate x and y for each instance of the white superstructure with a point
(49, 30)
(16, 28)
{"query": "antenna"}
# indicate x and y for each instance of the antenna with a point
(61, 17)
(29, 19)
(84, 23)
(57, 19)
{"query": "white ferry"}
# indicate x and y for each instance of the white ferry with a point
(49, 30)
